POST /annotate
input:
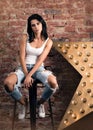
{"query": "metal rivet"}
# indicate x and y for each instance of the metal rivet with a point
(91, 94)
(79, 93)
(67, 45)
(87, 74)
(91, 45)
(76, 46)
(70, 112)
(82, 68)
(84, 100)
(74, 102)
(59, 46)
(88, 53)
(91, 81)
(90, 105)
(76, 62)
(88, 90)
(83, 84)
(65, 121)
(64, 51)
(84, 46)
(74, 116)
(70, 56)
(91, 65)
(79, 53)
(85, 59)
(82, 110)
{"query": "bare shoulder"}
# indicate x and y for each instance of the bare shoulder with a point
(23, 39)
(50, 42)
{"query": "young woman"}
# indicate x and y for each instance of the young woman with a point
(34, 49)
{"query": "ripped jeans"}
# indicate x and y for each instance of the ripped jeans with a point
(40, 74)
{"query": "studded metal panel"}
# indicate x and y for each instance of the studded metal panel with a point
(80, 56)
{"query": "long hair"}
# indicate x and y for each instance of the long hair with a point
(30, 31)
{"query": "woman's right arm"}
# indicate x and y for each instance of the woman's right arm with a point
(23, 53)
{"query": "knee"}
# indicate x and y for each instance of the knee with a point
(8, 85)
(7, 82)
(53, 82)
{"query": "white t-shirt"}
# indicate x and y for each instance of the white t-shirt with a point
(32, 53)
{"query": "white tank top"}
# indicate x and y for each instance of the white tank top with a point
(32, 53)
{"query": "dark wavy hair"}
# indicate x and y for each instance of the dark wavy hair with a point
(30, 31)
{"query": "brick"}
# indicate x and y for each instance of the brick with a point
(67, 20)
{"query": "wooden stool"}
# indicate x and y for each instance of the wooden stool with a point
(32, 104)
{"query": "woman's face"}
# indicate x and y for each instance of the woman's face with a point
(36, 26)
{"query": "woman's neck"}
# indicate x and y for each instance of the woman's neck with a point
(38, 37)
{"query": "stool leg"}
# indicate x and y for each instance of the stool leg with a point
(14, 113)
(32, 101)
(51, 113)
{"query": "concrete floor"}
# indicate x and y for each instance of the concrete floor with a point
(6, 116)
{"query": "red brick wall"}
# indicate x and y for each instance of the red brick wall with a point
(66, 19)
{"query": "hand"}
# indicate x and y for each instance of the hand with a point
(28, 81)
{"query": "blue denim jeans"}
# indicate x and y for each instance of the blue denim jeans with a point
(41, 74)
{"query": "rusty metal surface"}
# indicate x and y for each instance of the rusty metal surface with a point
(80, 56)
(85, 123)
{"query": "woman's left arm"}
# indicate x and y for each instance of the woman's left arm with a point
(42, 57)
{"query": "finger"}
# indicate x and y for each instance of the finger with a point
(26, 84)
(32, 80)
(30, 84)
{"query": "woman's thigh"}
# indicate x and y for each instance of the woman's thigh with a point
(43, 76)
(15, 78)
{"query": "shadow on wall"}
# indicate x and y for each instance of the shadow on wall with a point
(68, 79)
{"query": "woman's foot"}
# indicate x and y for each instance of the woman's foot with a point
(21, 111)
(41, 112)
